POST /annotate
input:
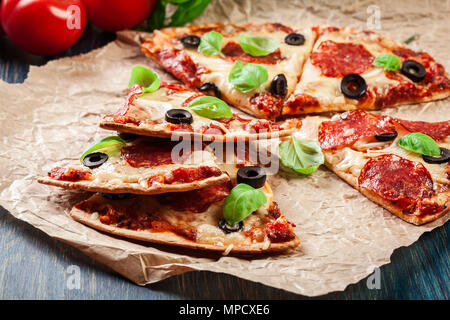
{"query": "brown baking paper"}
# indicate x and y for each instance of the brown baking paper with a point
(54, 115)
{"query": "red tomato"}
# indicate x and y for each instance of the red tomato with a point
(43, 27)
(115, 15)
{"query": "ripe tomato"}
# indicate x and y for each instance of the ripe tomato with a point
(43, 27)
(115, 15)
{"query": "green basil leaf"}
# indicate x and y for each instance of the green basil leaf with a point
(257, 46)
(302, 156)
(210, 44)
(146, 78)
(388, 61)
(241, 202)
(420, 143)
(188, 11)
(246, 77)
(111, 145)
(210, 107)
(157, 17)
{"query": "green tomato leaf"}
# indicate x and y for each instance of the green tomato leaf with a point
(257, 46)
(188, 11)
(111, 145)
(302, 156)
(146, 78)
(241, 202)
(246, 77)
(210, 107)
(420, 143)
(388, 61)
(210, 44)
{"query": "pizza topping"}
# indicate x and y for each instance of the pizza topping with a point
(386, 136)
(69, 174)
(226, 228)
(190, 41)
(294, 39)
(267, 103)
(413, 70)
(146, 78)
(178, 116)
(280, 230)
(254, 176)
(210, 44)
(110, 146)
(133, 92)
(419, 143)
(436, 130)
(256, 45)
(403, 92)
(95, 160)
(339, 59)
(115, 196)
(353, 86)
(210, 87)
(210, 107)
(396, 179)
(246, 77)
(279, 85)
(126, 136)
(388, 61)
(358, 124)
(302, 156)
(442, 158)
(233, 51)
(184, 175)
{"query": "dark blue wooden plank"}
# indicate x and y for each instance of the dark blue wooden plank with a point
(35, 266)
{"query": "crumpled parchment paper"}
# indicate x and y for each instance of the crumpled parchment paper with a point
(54, 115)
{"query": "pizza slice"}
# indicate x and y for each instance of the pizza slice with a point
(139, 165)
(389, 160)
(197, 219)
(167, 112)
(351, 69)
(252, 66)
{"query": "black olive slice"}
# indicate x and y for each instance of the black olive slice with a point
(413, 70)
(386, 136)
(179, 116)
(225, 227)
(294, 39)
(254, 176)
(95, 160)
(208, 87)
(190, 41)
(126, 136)
(279, 85)
(353, 86)
(443, 158)
(115, 196)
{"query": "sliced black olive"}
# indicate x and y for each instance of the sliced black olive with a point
(386, 136)
(254, 176)
(279, 85)
(294, 39)
(225, 227)
(353, 86)
(95, 160)
(443, 158)
(190, 41)
(127, 136)
(179, 116)
(115, 196)
(414, 70)
(208, 87)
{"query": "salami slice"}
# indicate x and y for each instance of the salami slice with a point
(396, 179)
(133, 92)
(436, 130)
(353, 125)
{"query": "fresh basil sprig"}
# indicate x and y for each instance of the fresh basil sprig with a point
(111, 145)
(210, 44)
(257, 46)
(420, 143)
(302, 156)
(388, 61)
(146, 78)
(246, 77)
(241, 202)
(210, 107)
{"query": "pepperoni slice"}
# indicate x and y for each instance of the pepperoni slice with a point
(436, 130)
(397, 179)
(353, 125)
(339, 59)
(134, 91)
(233, 51)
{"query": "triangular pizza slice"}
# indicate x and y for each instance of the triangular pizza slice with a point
(252, 66)
(353, 69)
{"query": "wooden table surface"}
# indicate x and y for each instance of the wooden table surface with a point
(35, 266)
